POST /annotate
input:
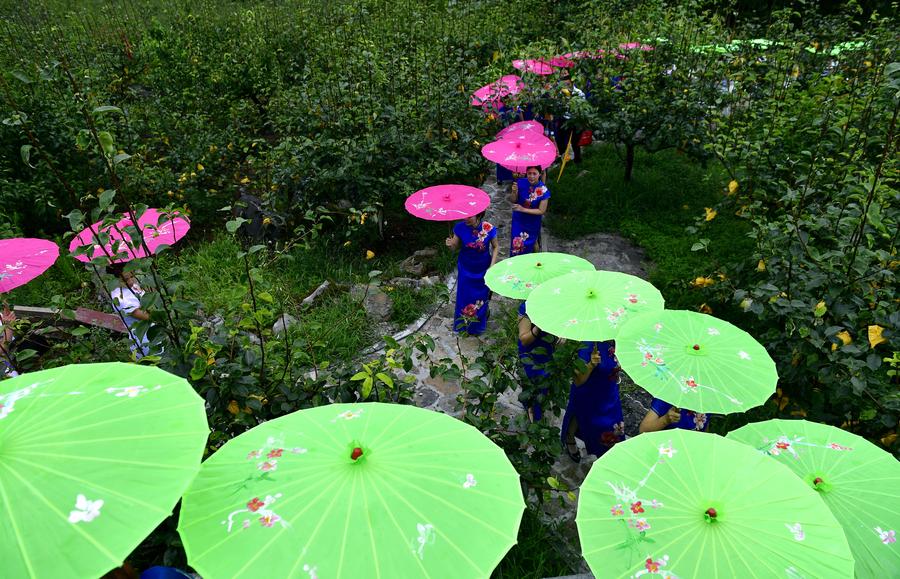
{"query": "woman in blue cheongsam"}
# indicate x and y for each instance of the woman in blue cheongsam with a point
(476, 240)
(663, 416)
(535, 349)
(530, 198)
(594, 412)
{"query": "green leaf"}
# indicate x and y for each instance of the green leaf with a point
(23, 355)
(106, 198)
(233, 225)
(359, 376)
(121, 157)
(367, 387)
(374, 273)
(75, 218)
(108, 109)
(79, 331)
(572, 496)
(255, 248)
(25, 151)
(107, 143)
(553, 482)
(199, 369)
(20, 76)
(385, 378)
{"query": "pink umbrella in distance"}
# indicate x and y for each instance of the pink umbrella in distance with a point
(503, 86)
(447, 202)
(529, 127)
(539, 67)
(518, 155)
(24, 258)
(562, 62)
(158, 228)
(635, 46)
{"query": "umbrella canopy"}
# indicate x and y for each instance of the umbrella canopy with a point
(504, 86)
(353, 490)
(680, 503)
(157, 227)
(531, 128)
(517, 276)
(590, 305)
(539, 67)
(636, 46)
(22, 259)
(517, 155)
(589, 54)
(853, 477)
(695, 361)
(447, 202)
(562, 62)
(94, 457)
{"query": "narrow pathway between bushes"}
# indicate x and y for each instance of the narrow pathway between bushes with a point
(609, 252)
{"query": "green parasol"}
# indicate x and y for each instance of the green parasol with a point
(517, 276)
(590, 305)
(854, 478)
(92, 458)
(696, 361)
(353, 490)
(679, 503)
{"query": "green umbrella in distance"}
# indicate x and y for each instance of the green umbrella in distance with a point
(680, 503)
(517, 276)
(854, 478)
(590, 305)
(92, 458)
(353, 490)
(695, 361)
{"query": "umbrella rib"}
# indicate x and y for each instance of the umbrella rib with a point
(390, 513)
(350, 501)
(12, 519)
(449, 504)
(112, 460)
(419, 426)
(292, 471)
(78, 529)
(118, 438)
(93, 484)
(445, 482)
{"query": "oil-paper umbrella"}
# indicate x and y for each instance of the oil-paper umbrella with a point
(119, 241)
(93, 457)
(680, 503)
(695, 361)
(517, 276)
(590, 305)
(531, 128)
(353, 490)
(534, 66)
(22, 259)
(509, 84)
(518, 155)
(853, 477)
(447, 202)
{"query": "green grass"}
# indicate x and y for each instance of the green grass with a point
(667, 194)
(411, 302)
(533, 557)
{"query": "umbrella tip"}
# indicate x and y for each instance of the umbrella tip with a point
(539, 264)
(357, 452)
(711, 514)
(817, 481)
(696, 346)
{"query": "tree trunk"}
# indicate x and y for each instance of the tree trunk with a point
(629, 160)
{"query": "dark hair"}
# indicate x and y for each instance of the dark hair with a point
(535, 167)
(116, 269)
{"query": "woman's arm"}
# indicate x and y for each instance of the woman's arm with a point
(582, 377)
(528, 332)
(539, 210)
(453, 242)
(513, 195)
(140, 314)
(495, 250)
(654, 422)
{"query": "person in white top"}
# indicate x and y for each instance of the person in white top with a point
(126, 300)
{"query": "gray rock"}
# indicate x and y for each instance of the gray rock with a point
(284, 321)
(378, 305)
(420, 262)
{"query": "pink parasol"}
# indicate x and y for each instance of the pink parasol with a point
(447, 202)
(562, 62)
(530, 128)
(635, 46)
(590, 54)
(158, 228)
(504, 86)
(518, 155)
(22, 259)
(540, 67)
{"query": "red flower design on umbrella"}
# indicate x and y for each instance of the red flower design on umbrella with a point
(255, 504)
(637, 508)
(275, 453)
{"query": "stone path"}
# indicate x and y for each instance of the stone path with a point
(608, 252)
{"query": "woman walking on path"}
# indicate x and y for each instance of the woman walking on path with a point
(476, 241)
(535, 349)
(530, 198)
(594, 412)
(126, 300)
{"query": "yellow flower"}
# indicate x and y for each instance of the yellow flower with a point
(844, 337)
(761, 265)
(702, 282)
(230, 146)
(453, 135)
(233, 407)
(704, 308)
(170, 194)
(213, 148)
(193, 174)
(889, 439)
(868, 63)
(362, 218)
(370, 254)
(732, 187)
(476, 143)
(875, 337)
(722, 276)
(347, 243)
(710, 213)
(566, 92)
(245, 180)
(199, 167)
(267, 221)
